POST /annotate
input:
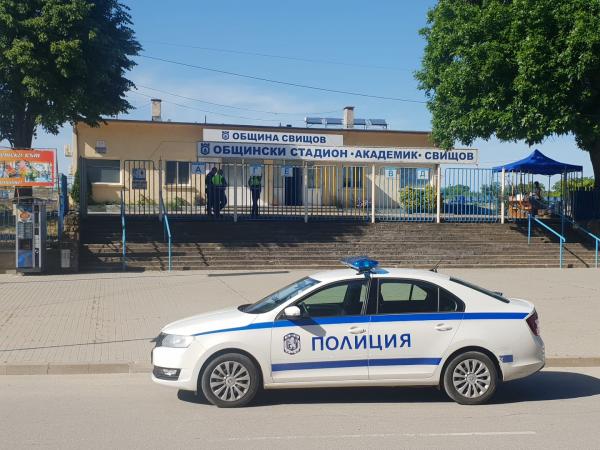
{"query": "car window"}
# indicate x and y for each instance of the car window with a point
(449, 302)
(340, 299)
(414, 296)
(281, 296)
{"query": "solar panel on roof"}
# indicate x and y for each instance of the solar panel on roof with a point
(313, 120)
(378, 122)
(332, 121)
(361, 122)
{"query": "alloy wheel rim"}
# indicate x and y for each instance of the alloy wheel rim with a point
(229, 381)
(471, 378)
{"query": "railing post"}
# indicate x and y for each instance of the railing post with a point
(528, 229)
(502, 193)
(373, 199)
(561, 253)
(438, 195)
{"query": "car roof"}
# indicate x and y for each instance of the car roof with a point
(340, 274)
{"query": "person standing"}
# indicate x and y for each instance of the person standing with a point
(221, 196)
(255, 185)
(218, 183)
(209, 190)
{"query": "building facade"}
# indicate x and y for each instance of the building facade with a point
(144, 167)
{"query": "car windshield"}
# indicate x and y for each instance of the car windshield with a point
(281, 296)
(496, 295)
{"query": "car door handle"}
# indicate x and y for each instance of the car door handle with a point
(357, 330)
(443, 327)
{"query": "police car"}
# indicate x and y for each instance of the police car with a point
(361, 326)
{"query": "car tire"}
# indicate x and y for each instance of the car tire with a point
(470, 378)
(231, 380)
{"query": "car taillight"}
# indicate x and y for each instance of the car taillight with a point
(534, 323)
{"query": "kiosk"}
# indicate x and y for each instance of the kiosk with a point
(30, 235)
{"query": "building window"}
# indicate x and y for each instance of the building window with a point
(178, 172)
(353, 177)
(103, 170)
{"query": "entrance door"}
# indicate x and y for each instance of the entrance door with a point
(293, 188)
(414, 324)
(329, 342)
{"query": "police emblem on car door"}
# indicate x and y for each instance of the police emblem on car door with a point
(291, 343)
(328, 341)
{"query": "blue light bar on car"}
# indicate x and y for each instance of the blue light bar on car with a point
(360, 263)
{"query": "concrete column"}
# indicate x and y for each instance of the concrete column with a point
(373, 199)
(502, 207)
(438, 193)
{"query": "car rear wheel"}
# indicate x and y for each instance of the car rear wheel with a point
(230, 380)
(470, 378)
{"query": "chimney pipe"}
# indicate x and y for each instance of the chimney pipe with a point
(349, 117)
(156, 110)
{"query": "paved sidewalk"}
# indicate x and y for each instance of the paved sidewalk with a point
(57, 324)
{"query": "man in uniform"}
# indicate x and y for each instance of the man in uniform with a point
(209, 190)
(219, 184)
(255, 185)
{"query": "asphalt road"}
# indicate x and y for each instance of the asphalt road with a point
(553, 409)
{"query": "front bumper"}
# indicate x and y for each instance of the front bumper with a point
(183, 360)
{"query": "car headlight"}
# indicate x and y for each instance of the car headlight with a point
(176, 340)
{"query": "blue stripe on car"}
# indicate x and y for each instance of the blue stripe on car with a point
(356, 363)
(374, 319)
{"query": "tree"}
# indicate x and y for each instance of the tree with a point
(514, 69)
(62, 61)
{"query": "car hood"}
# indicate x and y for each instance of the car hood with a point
(211, 321)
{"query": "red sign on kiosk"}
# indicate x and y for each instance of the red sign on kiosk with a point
(33, 167)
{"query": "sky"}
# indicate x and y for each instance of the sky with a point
(350, 45)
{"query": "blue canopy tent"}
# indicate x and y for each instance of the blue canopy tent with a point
(539, 164)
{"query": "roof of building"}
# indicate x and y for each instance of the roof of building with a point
(267, 127)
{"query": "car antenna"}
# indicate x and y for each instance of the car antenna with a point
(435, 268)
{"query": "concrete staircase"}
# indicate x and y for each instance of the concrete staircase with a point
(275, 245)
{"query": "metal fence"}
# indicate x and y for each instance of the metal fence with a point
(470, 195)
(256, 190)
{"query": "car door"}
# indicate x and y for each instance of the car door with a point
(328, 343)
(413, 322)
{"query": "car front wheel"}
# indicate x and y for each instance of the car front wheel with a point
(470, 378)
(230, 380)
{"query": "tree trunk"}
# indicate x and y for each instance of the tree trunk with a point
(24, 127)
(595, 158)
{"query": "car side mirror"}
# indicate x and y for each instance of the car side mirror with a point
(292, 312)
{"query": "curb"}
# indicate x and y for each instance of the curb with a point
(74, 368)
(137, 367)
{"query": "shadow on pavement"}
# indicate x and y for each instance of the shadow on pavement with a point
(542, 386)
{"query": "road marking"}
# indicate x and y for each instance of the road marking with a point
(378, 435)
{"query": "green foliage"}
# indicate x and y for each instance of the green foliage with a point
(585, 184)
(177, 203)
(493, 189)
(418, 199)
(62, 61)
(517, 70)
(145, 201)
(450, 192)
(76, 189)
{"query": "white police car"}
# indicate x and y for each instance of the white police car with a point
(355, 327)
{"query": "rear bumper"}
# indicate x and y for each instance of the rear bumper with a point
(526, 363)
